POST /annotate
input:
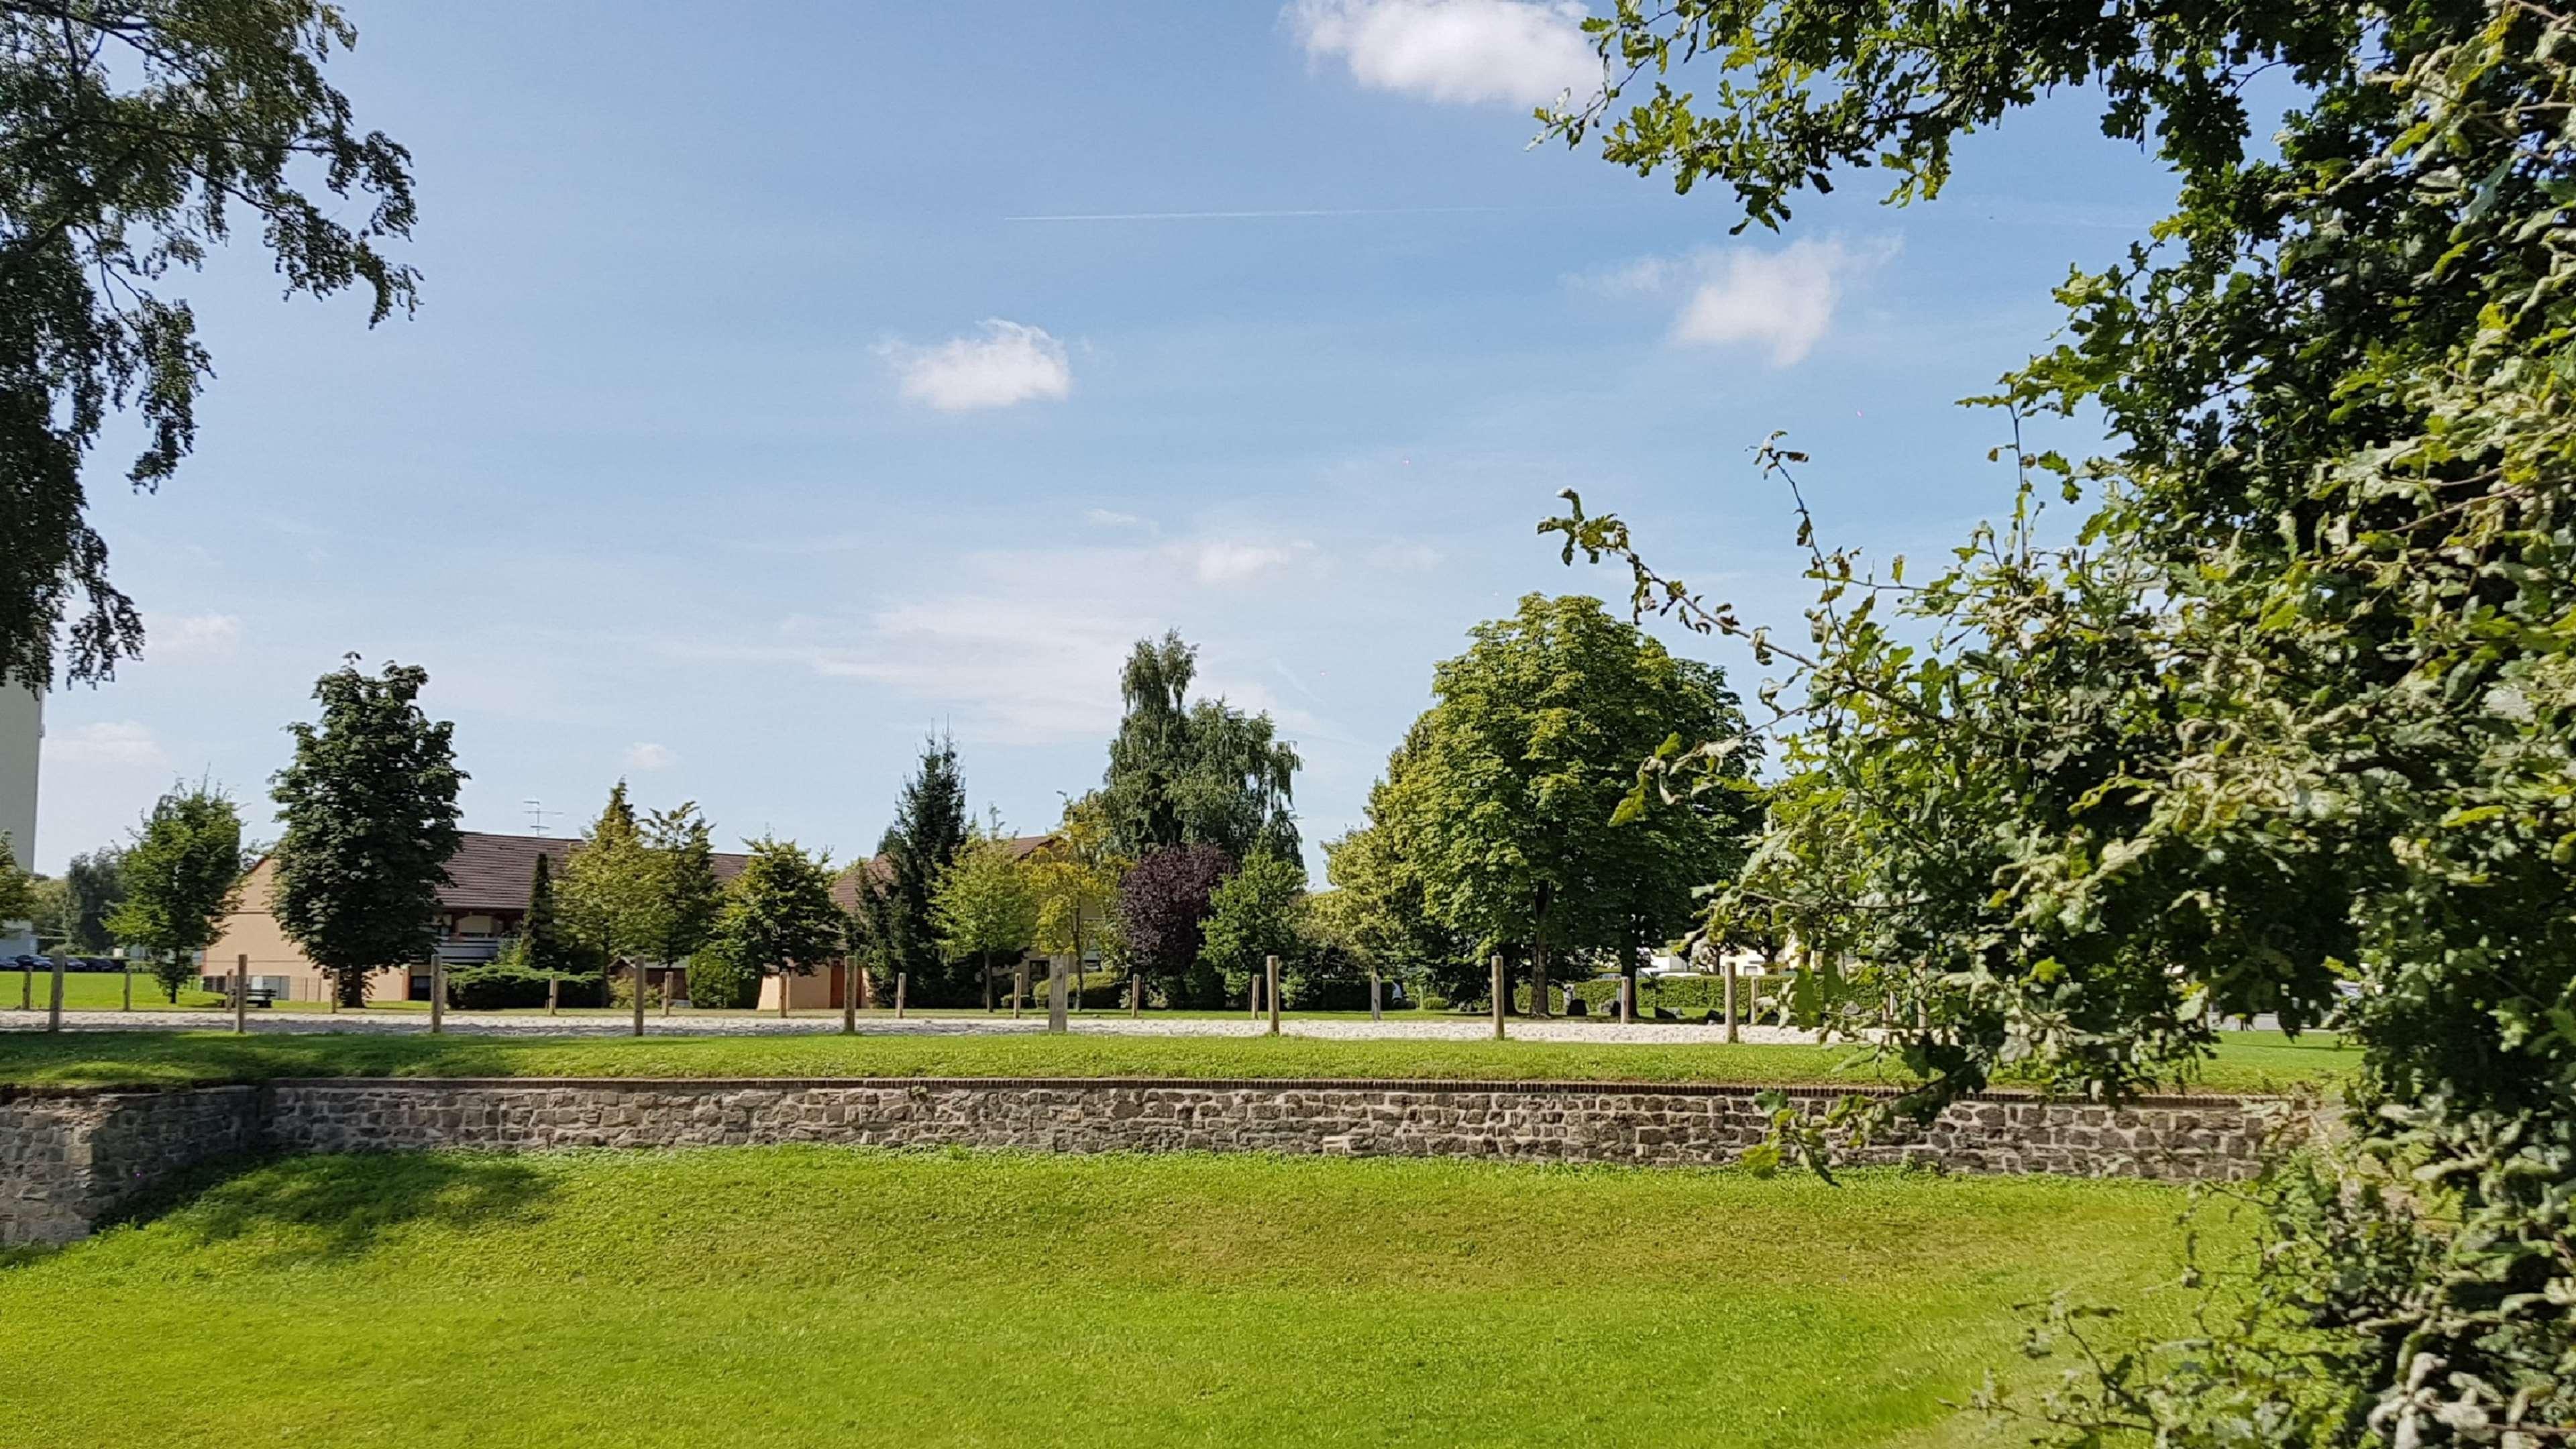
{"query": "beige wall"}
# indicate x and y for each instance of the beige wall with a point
(253, 931)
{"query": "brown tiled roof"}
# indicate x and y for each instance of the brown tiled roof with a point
(845, 886)
(490, 872)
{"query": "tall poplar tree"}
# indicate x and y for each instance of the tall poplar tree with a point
(369, 806)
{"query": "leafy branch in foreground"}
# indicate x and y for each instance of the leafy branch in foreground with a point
(2291, 728)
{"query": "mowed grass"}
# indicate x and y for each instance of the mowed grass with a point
(808, 1296)
(94, 991)
(2247, 1061)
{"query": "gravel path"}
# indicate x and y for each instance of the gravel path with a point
(461, 1023)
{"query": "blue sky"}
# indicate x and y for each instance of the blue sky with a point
(765, 410)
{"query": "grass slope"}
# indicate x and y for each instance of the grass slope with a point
(799, 1296)
(2250, 1061)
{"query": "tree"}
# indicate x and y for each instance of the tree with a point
(895, 891)
(1379, 909)
(1193, 774)
(2298, 707)
(48, 911)
(94, 881)
(182, 877)
(681, 899)
(544, 946)
(1074, 877)
(607, 885)
(779, 917)
(1253, 915)
(985, 908)
(17, 888)
(1163, 905)
(369, 805)
(136, 133)
(1511, 807)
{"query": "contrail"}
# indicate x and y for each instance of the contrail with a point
(1268, 215)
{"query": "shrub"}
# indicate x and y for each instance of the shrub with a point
(496, 987)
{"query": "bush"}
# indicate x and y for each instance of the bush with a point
(715, 980)
(497, 987)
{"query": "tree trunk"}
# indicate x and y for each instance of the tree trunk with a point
(785, 984)
(986, 967)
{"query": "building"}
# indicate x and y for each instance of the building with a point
(22, 734)
(479, 909)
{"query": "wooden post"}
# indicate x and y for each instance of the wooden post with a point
(554, 993)
(853, 982)
(1499, 998)
(1135, 994)
(27, 985)
(241, 995)
(636, 969)
(1627, 1000)
(900, 978)
(1377, 1010)
(1055, 994)
(126, 968)
(437, 993)
(1270, 988)
(786, 983)
(54, 1013)
(1252, 996)
(1729, 964)
(1019, 986)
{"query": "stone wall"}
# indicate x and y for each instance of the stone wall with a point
(2178, 1138)
(67, 1158)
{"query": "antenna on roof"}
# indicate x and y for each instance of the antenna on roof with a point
(537, 813)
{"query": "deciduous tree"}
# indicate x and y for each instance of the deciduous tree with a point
(1163, 904)
(986, 908)
(94, 881)
(369, 806)
(1183, 773)
(779, 917)
(607, 885)
(2299, 706)
(1253, 915)
(182, 877)
(134, 136)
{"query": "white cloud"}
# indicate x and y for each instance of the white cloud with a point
(1234, 561)
(106, 742)
(170, 638)
(1736, 296)
(1010, 363)
(1523, 51)
(1112, 518)
(1020, 668)
(646, 756)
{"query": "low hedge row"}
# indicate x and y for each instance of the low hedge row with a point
(1690, 996)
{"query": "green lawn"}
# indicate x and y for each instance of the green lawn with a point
(810, 1296)
(2250, 1061)
(93, 991)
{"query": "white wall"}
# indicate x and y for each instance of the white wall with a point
(22, 728)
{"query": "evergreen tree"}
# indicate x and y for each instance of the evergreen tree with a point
(182, 877)
(1193, 774)
(95, 884)
(896, 890)
(369, 805)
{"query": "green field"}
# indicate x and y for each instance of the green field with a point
(2248, 1062)
(807, 1296)
(93, 991)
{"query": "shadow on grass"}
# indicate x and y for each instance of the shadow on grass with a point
(302, 1209)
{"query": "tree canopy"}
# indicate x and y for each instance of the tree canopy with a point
(779, 917)
(1508, 804)
(2296, 709)
(1253, 915)
(1163, 905)
(369, 806)
(134, 135)
(986, 907)
(1184, 773)
(182, 877)
(94, 886)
